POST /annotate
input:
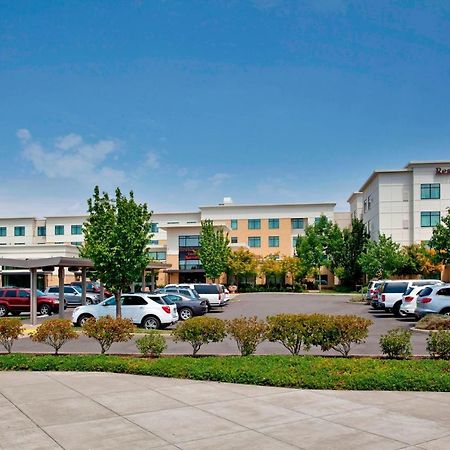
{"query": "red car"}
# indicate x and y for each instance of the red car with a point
(17, 300)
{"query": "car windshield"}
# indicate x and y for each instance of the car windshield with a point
(409, 290)
(77, 288)
(425, 291)
(39, 293)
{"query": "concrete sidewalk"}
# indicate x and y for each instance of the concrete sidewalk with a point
(46, 410)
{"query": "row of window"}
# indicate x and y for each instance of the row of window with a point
(273, 224)
(42, 230)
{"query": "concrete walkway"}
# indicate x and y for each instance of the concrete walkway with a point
(46, 410)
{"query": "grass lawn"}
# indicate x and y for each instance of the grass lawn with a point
(307, 372)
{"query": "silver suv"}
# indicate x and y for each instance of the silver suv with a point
(72, 294)
(433, 300)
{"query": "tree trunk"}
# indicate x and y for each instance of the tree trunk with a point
(117, 295)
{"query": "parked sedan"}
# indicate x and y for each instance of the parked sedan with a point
(148, 311)
(72, 295)
(409, 300)
(186, 307)
(433, 300)
(185, 292)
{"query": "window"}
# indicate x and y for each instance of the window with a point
(254, 224)
(76, 229)
(41, 231)
(206, 288)
(173, 223)
(430, 190)
(2, 231)
(254, 242)
(24, 294)
(294, 241)
(59, 230)
(19, 231)
(430, 218)
(11, 294)
(54, 290)
(369, 202)
(274, 224)
(154, 227)
(133, 300)
(297, 224)
(153, 242)
(76, 243)
(234, 240)
(445, 292)
(67, 290)
(189, 241)
(234, 224)
(274, 241)
(395, 288)
(316, 219)
(19, 243)
(157, 256)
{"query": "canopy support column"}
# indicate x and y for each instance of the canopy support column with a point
(33, 296)
(61, 274)
(83, 285)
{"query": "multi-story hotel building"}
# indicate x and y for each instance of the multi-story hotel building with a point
(264, 229)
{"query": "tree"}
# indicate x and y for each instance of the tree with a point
(354, 242)
(272, 269)
(292, 266)
(440, 240)
(381, 259)
(419, 259)
(116, 233)
(242, 263)
(214, 250)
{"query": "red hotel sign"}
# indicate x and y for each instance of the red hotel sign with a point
(442, 171)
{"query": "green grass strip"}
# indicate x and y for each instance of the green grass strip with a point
(306, 372)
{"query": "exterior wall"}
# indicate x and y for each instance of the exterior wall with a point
(356, 205)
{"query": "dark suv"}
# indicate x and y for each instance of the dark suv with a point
(17, 300)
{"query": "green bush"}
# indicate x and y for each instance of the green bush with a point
(295, 331)
(248, 332)
(199, 331)
(396, 344)
(438, 344)
(107, 330)
(434, 322)
(153, 344)
(341, 332)
(55, 332)
(10, 330)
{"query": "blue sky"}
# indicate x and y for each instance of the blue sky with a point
(188, 101)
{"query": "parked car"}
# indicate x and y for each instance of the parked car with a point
(17, 300)
(185, 292)
(91, 286)
(226, 293)
(72, 295)
(372, 289)
(409, 300)
(373, 294)
(186, 307)
(393, 290)
(213, 292)
(433, 300)
(148, 311)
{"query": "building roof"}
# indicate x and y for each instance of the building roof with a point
(259, 205)
(375, 173)
(427, 163)
(353, 195)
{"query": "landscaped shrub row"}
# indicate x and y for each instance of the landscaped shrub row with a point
(305, 372)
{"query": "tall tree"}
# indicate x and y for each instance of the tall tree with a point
(242, 263)
(116, 234)
(381, 259)
(354, 242)
(440, 240)
(214, 250)
(293, 267)
(273, 270)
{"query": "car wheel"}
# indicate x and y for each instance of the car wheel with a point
(445, 312)
(151, 323)
(88, 301)
(185, 313)
(3, 311)
(83, 319)
(45, 310)
(396, 310)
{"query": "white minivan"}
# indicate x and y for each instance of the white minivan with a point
(212, 292)
(392, 292)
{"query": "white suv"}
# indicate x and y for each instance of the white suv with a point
(212, 292)
(149, 311)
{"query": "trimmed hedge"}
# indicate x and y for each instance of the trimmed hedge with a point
(306, 372)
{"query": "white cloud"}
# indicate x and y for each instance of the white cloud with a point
(218, 179)
(152, 160)
(72, 158)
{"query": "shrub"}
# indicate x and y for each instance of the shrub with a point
(107, 330)
(341, 332)
(438, 344)
(10, 330)
(200, 330)
(396, 344)
(153, 344)
(296, 330)
(434, 322)
(55, 332)
(248, 332)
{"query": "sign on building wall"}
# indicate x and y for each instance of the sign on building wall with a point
(442, 171)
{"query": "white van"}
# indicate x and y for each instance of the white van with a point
(212, 292)
(392, 292)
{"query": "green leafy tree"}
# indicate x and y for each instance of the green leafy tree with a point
(242, 264)
(116, 233)
(354, 242)
(293, 267)
(440, 240)
(381, 259)
(272, 269)
(214, 250)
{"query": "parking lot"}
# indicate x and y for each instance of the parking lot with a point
(263, 305)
